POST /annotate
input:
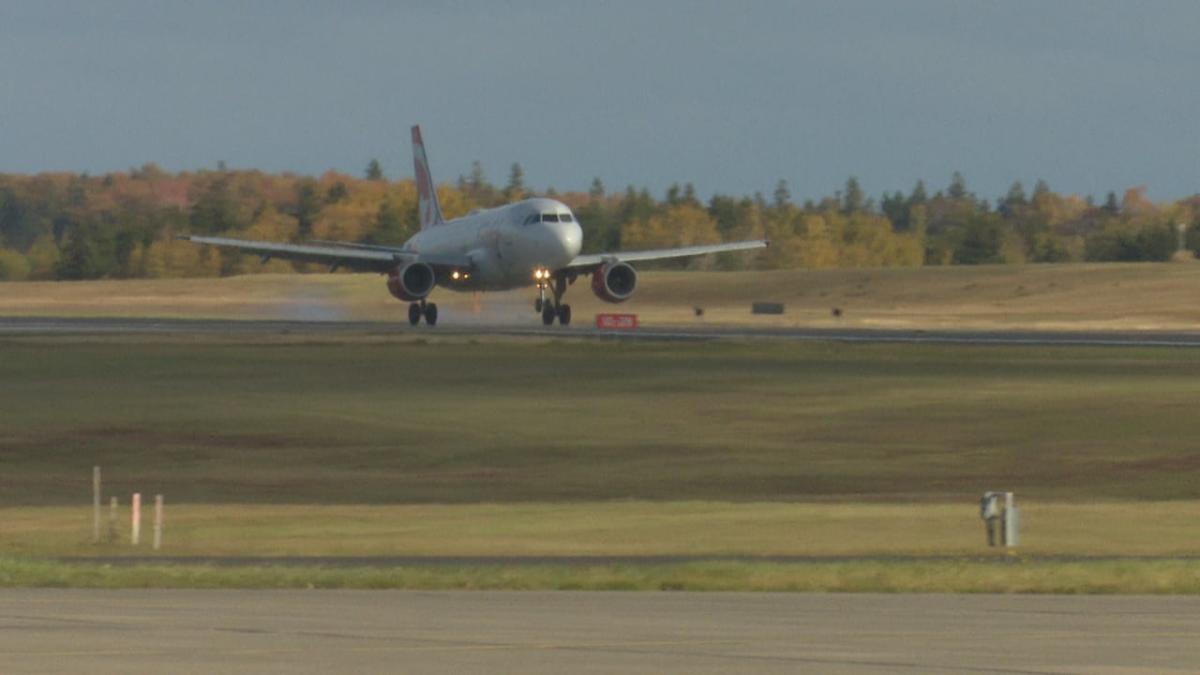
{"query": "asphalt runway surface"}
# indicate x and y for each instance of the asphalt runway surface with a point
(187, 631)
(29, 326)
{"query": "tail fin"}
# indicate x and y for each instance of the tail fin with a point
(427, 201)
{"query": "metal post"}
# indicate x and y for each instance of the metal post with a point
(1011, 521)
(158, 521)
(112, 519)
(95, 505)
(135, 519)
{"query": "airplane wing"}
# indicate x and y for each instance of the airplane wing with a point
(584, 263)
(363, 258)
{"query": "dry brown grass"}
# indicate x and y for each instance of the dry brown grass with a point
(1080, 296)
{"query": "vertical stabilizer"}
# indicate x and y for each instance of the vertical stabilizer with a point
(427, 201)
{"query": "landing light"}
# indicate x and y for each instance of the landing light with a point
(454, 275)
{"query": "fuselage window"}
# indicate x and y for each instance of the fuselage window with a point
(565, 217)
(549, 217)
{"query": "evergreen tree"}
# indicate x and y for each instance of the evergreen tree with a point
(1041, 189)
(393, 224)
(337, 192)
(689, 194)
(1016, 195)
(374, 170)
(958, 186)
(918, 195)
(515, 189)
(673, 195)
(308, 206)
(596, 192)
(79, 257)
(725, 211)
(215, 210)
(1013, 201)
(853, 199)
(783, 196)
(1111, 205)
(895, 208)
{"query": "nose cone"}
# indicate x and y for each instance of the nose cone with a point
(570, 236)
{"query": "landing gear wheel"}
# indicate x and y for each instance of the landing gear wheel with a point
(414, 314)
(537, 305)
(431, 314)
(548, 314)
(564, 315)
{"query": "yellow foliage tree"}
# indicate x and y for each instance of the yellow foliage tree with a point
(43, 257)
(682, 225)
(268, 225)
(13, 265)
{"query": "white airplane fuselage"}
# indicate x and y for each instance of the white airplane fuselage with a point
(507, 245)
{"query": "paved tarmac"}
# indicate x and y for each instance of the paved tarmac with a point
(182, 631)
(136, 326)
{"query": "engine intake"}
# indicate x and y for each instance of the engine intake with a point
(411, 282)
(614, 282)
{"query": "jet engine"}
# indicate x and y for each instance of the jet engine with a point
(411, 282)
(614, 281)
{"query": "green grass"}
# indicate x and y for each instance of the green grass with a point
(614, 528)
(376, 420)
(399, 445)
(964, 576)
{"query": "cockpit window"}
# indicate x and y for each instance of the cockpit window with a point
(565, 217)
(532, 219)
(549, 217)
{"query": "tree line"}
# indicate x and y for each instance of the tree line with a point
(123, 224)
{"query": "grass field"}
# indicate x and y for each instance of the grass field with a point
(1114, 296)
(1141, 577)
(379, 421)
(412, 444)
(616, 529)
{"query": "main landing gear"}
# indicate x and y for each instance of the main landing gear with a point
(426, 309)
(551, 309)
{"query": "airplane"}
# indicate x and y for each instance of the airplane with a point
(530, 242)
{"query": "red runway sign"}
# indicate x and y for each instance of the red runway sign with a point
(617, 321)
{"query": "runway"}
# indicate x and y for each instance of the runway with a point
(29, 326)
(135, 631)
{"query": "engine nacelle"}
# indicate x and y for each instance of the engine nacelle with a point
(614, 282)
(411, 282)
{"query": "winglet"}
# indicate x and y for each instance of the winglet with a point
(427, 202)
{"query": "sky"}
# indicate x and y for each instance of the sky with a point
(1089, 95)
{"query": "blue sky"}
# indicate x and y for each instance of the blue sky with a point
(1090, 95)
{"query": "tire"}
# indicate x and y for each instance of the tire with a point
(414, 314)
(431, 314)
(564, 315)
(548, 314)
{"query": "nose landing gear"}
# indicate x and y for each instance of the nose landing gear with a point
(555, 308)
(420, 309)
